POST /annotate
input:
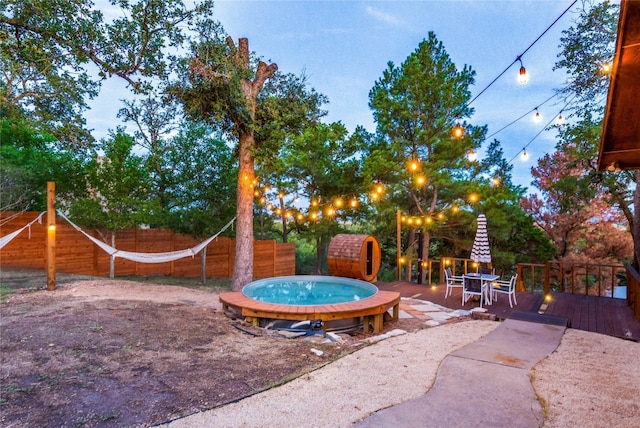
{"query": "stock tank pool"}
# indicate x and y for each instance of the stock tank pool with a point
(308, 290)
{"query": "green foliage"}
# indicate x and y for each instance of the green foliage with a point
(119, 188)
(202, 183)
(581, 209)
(29, 160)
(416, 105)
(47, 46)
(586, 47)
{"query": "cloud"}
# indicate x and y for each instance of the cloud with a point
(381, 16)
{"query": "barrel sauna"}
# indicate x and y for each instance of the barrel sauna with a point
(354, 256)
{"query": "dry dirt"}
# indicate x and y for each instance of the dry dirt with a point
(102, 353)
(119, 353)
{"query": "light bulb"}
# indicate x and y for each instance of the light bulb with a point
(472, 156)
(559, 119)
(458, 131)
(523, 77)
(537, 117)
(524, 156)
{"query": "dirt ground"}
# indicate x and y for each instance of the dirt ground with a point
(99, 353)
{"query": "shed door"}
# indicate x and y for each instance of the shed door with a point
(369, 258)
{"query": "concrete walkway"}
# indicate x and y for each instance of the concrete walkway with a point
(486, 383)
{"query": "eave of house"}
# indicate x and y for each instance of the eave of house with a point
(620, 143)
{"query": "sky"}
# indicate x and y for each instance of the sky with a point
(344, 47)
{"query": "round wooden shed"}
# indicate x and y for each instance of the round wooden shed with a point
(354, 256)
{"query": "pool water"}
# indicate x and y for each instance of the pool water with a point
(308, 290)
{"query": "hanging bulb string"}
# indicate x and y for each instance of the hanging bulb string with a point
(544, 128)
(518, 58)
(523, 116)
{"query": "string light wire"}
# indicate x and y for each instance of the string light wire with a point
(518, 58)
(523, 116)
(544, 128)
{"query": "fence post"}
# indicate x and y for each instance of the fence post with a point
(547, 286)
(51, 235)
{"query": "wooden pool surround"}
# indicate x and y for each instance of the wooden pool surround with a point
(373, 309)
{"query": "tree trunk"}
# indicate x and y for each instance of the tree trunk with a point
(243, 265)
(283, 218)
(319, 251)
(426, 238)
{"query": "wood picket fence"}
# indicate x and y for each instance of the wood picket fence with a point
(77, 254)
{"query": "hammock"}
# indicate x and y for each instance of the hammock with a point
(161, 257)
(8, 238)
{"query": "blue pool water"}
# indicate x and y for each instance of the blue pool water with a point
(308, 290)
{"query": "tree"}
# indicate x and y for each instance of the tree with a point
(575, 193)
(222, 84)
(200, 195)
(222, 87)
(47, 46)
(582, 224)
(322, 163)
(118, 189)
(415, 107)
(29, 159)
(154, 119)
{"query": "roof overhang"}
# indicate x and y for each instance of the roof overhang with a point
(620, 144)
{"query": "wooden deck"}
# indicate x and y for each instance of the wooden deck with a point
(603, 315)
(372, 309)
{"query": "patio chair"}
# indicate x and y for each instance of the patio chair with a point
(452, 281)
(473, 287)
(505, 287)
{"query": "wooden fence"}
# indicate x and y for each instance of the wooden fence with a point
(77, 254)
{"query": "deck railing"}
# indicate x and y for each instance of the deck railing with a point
(543, 278)
(574, 278)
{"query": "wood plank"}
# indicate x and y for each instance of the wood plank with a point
(375, 306)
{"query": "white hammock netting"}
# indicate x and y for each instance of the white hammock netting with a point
(161, 257)
(8, 238)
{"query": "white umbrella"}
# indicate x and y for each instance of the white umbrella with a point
(480, 252)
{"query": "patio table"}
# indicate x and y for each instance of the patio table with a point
(486, 280)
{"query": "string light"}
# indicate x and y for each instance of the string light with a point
(559, 119)
(524, 156)
(523, 77)
(522, 54)
(472, 156)
(537, 117)
(458, 131)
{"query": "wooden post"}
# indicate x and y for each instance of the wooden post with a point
(398, 242)
(203, 265)
(51, 235)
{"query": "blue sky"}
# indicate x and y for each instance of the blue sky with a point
(344, 47)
